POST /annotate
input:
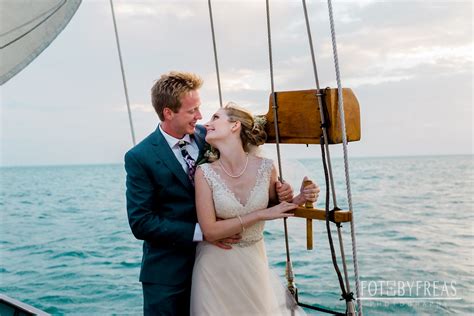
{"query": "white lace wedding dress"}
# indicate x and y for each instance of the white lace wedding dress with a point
(238, 281)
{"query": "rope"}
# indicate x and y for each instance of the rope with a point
(328, 228)
(325, 138)
(123, 74)
(289, 268)
(54, 10)
(343, 257)
(321, 309)
(346, 161)
(215, 52)
(323, 120)
(275, 107)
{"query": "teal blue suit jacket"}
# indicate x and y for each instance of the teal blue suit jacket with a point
(161, 209)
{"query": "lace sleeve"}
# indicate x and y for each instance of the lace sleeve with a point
(266, 171)
(205, 167)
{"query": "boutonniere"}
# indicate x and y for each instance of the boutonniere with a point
(210, 154)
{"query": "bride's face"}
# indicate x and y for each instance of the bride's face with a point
(219, 127)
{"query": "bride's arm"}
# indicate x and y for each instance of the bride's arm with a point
(273, 196)
(214, 229)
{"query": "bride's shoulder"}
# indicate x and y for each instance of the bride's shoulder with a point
(268, 161)
(207, 166)
(206, 171)
(263, 163)
(261, 159)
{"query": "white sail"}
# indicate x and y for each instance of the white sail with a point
(27, 27)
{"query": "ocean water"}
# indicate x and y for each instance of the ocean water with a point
(66, 247)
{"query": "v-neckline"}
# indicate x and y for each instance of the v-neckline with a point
(232, 193)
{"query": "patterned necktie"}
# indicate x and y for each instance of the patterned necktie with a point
(188, 159)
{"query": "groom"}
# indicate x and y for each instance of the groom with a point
(160, 195)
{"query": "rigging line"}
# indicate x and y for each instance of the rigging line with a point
(321, 309)
(59, 6)
(346, 162)
(275, 107)
(343, 257)
(323, 120)
(331, 178)
(289, 268)
(60, 3)
(123, 74)
(328, 227)
(215, 52)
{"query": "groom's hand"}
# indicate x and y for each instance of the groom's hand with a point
(227, 242)
(284, 192)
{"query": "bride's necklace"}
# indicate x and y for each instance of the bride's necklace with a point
(238, 175)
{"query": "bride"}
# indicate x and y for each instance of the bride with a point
(232, 197)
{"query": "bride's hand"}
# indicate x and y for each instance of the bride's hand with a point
(308, 193)
(278, 211)
(226, 243)
(284, 191)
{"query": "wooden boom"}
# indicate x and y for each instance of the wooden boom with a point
(299, 119)
(311, 213)
(299, 122)
(314, 213)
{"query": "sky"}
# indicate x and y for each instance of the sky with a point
(410, 64)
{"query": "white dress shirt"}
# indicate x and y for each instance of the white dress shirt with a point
(193, 150)
(191, 147)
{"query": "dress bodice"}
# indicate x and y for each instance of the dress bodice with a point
(227, 204)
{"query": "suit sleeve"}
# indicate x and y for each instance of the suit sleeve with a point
(145, 223)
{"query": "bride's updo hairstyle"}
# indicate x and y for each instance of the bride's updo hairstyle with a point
(252, 131)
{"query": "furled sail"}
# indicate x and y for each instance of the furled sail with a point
(27, 27)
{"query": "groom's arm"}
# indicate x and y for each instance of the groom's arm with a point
(144, 223)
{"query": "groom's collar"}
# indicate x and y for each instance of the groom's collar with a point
(172, 141)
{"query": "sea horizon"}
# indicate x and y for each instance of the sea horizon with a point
(287, 158)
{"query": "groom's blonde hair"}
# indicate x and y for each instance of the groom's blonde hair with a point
(170, 88)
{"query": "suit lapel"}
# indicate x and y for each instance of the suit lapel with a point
(167, 156)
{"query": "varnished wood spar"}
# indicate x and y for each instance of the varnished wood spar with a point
(313, 213)
(299, 120)
(309, 221)
(309, 234)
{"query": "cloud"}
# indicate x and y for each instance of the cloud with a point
(140, 107)
(409, 63)
(154, 9)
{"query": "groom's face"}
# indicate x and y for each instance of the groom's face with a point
(184, 121)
